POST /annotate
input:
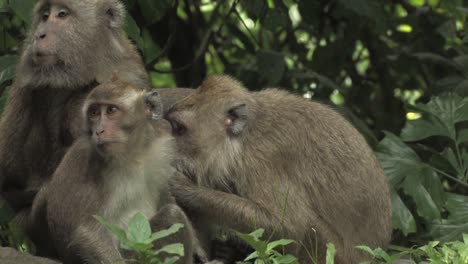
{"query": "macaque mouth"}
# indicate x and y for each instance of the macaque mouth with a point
(43, 58)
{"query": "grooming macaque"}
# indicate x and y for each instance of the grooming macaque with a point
(276, 161)
(120, 166)
(71, 47)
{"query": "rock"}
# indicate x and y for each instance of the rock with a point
(12, 256)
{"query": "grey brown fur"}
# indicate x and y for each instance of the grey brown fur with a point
(119, 167)
(276, 161)
(63, 58)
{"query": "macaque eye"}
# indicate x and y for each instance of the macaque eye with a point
(63, 13)
(111, 109)
(178, 128)
(94, 112)
(45, 15)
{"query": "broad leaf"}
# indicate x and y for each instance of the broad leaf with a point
(398, 160)
(286, 259)
(174, 249)
(277, 243)
(462, 136)
(439, 117)
(457, 221)
(253, 239)
(117, 231)
(166, 232)
(426, 207)
(401, 216)
(139, 228)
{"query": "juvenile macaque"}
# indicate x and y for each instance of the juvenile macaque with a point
(276, 161)
(71, 47)
(118, 167)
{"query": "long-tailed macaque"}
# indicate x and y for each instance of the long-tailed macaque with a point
(71, 47)
(120, 165)
(276, 161)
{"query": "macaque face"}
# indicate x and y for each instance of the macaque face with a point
(105, 124)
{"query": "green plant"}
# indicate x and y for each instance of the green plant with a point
(427, 167)
(434, 252)
(265, 252)
(139, 239)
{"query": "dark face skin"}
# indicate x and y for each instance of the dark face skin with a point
(105, 121)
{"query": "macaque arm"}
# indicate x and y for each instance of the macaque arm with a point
(222, 208)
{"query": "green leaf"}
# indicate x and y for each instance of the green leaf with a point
(23, 8)
(271, 65)
(457, 221)
(331, 252)
(426, 126)
(277, 243)
(462, 136)
(133, 31)
(170, 260)
(398, 160)
(117, 231)
(426, 207)
(439, 117)
(256, 9)
(174, 249)
(166, 232)
(253, 239)
(253, 255)
(7, 66)
(401, 216)
(139, 228)
(286, 259)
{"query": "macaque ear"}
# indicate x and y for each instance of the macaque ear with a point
(115, 14)
(236, 119)
(153, 104)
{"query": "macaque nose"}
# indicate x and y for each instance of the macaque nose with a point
(41, 36)
(99, 132)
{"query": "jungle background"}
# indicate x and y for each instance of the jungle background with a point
(397, 69)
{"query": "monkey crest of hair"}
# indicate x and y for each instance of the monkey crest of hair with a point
(75, 42)
(277, 161)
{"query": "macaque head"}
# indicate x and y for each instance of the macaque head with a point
(65, 45)
(211, 124)
(119, 117)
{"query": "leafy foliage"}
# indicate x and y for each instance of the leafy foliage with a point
(139, 239)
(427, 173)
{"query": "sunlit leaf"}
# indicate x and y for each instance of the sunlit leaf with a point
(175, 249)
(166, 232)
(139, 228)
(278, 243)
(331, 252)
(117, 231)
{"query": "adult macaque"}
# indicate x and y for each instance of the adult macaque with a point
(120, 166)
(276, 161)
(71, 47)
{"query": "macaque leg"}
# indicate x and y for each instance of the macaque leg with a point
(165, 218)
